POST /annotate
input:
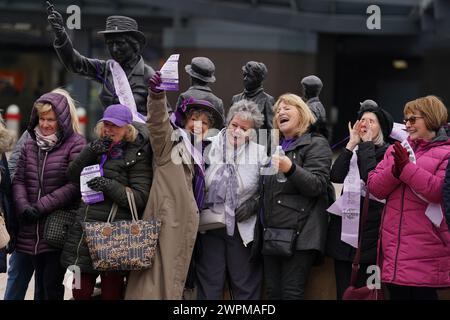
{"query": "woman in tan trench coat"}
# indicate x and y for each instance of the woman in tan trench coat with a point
(171, 199)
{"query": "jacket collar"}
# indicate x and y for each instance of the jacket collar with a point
(138, 144)
(302, 140)
(138, 69)
(421, 144)
(203, 88)
(254, 92)
(313, 99)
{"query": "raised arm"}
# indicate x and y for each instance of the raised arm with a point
(69, 57)
(158, 122)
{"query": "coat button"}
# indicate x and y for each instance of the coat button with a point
(279, 201)
(128, 163)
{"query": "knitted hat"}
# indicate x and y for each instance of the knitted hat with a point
(384, 118)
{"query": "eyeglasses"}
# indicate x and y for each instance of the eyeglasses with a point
(411, 119)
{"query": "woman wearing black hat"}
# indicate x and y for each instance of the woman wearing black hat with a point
(177, 192)
(368, 140)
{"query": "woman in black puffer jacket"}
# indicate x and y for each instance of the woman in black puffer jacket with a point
(370, 133)
(128, 164)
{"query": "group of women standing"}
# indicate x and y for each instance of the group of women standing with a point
(273, 230)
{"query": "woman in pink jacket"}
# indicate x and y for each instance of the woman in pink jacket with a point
(415, 252)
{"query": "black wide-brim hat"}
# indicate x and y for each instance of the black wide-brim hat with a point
(123, 24)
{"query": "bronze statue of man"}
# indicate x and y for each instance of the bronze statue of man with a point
(254, 74)
(125, 43)
(312, 85)
(201, 71)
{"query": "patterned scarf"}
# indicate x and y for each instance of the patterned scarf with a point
(224, 186)
(45, 143)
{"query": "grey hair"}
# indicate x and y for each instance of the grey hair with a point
(379, 140)
(247, 110)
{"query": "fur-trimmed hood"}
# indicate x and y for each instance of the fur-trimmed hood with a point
(7, 139)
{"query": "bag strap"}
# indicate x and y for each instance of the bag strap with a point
(112, 213)
(357, 258)
(131, 203)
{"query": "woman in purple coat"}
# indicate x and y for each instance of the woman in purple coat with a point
(40, 185)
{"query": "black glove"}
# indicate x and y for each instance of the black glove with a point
(99, 183)
(30, 215)
(247, 209)
(56, 21)
(101, 145)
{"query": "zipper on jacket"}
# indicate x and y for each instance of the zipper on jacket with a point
(40, 177)
(81, 239)
(399, 230)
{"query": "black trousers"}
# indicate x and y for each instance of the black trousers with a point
(222, 256)
(49, 276)
(286, 278)
(343, 273)
(397, 292)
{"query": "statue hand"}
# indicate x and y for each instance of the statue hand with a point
(55, 19)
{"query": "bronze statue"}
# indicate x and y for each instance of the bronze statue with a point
(254, 74)
(201, 71)
(125, 43)
(312, 86)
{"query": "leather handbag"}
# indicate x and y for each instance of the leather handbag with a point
(122, 245)
(4, 235)
(57, 225)
(279, 242)
(210, 219)
(366, 292)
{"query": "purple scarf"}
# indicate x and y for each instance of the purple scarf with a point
(285, 143)
(199, 182)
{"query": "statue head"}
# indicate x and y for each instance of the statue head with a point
(201, 70)
(254, 74)
(123, 39)
(312, 86)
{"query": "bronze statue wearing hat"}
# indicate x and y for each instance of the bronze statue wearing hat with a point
(124, 42)
(312, 85)
(254, 74)
(201, 71)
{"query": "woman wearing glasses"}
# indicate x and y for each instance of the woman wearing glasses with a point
(415, 251)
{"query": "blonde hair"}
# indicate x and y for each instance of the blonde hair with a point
(432, 110)
(306, 116)
(46, 107)
(130, 135)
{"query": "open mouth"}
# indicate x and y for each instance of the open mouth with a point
(284, 119)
